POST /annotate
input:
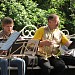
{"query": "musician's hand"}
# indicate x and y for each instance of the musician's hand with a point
(48, 43)
(45, 43)
(3, 52)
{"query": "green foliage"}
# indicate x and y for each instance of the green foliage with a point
(64, 8)
(23, 12)
(47, 4)
(35, 15)
(27, 12)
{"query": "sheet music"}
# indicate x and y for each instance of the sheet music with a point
(10, 41)
(1, 44)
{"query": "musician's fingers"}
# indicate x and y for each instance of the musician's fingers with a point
(4, 51)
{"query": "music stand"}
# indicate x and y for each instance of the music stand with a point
(8, 44)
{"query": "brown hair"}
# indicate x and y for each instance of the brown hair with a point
(7, 20)
(51, 16)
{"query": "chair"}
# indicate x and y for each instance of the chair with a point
(28, 31)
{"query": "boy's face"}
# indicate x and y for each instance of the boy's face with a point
(8, 28)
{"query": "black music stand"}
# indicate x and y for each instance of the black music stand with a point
(8, 44)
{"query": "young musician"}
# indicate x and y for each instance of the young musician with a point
(7, 26)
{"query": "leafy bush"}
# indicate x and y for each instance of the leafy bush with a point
(27, 12)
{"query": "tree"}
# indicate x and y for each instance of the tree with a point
(64, 8)
(27, 12)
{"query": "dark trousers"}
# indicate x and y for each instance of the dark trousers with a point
(69, 60)
(45, 65)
